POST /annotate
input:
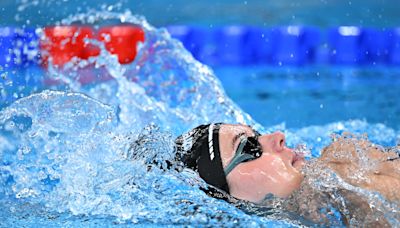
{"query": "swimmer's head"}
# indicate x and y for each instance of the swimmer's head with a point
(242, 162)
(199, 150)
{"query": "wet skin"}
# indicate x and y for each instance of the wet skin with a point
(276, 172)
(358, 162)
(361, 164)
(371, 168)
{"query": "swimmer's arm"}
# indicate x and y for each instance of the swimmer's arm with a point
(358, 207)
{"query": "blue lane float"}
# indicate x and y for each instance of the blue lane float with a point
(26, 46)
(231, 45)
(290, 45)
(6, 47)
(20, 70)
(247, 45)
(375, 44)
(259, 45)
(294, 45)
(345, 45)
(19, 48)
(394, 49)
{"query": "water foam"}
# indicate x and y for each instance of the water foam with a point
(84, 151)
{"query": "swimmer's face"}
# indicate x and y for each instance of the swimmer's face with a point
(276, 172)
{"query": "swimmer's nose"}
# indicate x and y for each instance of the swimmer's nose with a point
(276, 141)
(279, 141)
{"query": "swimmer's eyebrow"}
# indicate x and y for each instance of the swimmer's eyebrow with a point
(256, 133)
(236, 137)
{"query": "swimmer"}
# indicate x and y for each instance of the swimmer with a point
(249, 166)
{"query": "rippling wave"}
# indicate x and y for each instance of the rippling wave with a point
(77, 154)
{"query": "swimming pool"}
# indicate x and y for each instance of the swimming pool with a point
(315, 95)
(66, 157)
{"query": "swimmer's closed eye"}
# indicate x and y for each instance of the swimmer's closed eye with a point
(249, 149)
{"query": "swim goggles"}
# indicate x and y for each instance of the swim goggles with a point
(249, 149)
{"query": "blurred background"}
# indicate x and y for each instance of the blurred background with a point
(324, 13)
(309, 68)
(313, 74)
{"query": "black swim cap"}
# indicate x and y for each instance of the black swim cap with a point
(198, 149)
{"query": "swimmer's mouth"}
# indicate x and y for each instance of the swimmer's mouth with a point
(296, 157)
(299, 153)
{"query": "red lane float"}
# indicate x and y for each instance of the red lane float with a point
(122, 41)
(62, 43)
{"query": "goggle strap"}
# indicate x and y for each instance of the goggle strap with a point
(238, 158)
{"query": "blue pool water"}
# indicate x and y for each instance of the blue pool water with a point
(318, 95)
(77, 155)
